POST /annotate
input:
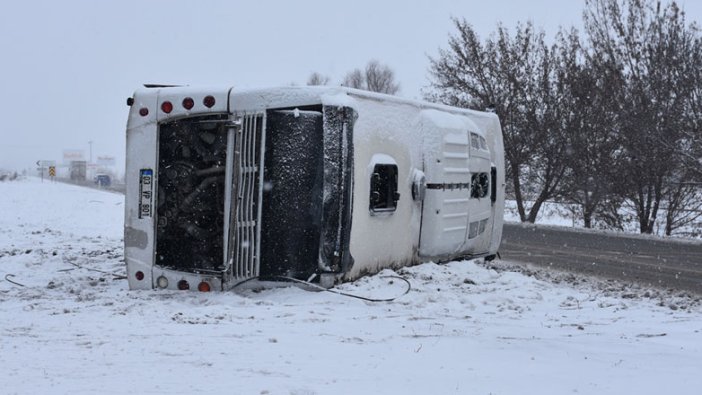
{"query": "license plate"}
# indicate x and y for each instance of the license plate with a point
(146, 181)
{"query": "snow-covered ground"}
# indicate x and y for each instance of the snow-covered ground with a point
(463, 328)
(567, 215)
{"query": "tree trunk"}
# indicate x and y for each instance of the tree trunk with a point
(534, 211)
(518, 192)
(587, 217)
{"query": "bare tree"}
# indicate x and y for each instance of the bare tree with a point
(611, 121)
(355, 79)
(515, 75)
(590, 125)
(684, 205)
(690, 144)
(317, 79)
(648, 44)
(375, 78)
(380, 78)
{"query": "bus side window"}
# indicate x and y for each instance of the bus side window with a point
(383, 188)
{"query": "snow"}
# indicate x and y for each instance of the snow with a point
(566, 215)
(445, 120)
(551, 214)
(465, 327)
(380, 159)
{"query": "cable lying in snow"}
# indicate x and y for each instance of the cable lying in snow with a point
(115, 275)
(409, 288)
(320, 288)
(7, 278)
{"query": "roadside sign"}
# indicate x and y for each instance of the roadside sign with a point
(106, 160)
(70, 155)
(43, 165)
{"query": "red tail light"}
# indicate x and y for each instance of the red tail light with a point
(143, 111)
(167, 107)
(203, 287)
(208, 101)
(139, 275)
(188, 103)
(183, 285)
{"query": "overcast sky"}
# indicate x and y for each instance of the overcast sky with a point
(67, 67)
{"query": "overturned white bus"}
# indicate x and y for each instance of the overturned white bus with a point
(303, 182)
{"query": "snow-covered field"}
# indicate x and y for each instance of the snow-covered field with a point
(566, 215)
(464, 328)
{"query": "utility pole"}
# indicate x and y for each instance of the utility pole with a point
(91, 151)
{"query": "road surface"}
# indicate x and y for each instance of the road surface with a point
(647, 260)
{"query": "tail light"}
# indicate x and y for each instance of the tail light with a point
(203, 287)
(139, 275)
(167, 107)
(162, 282)
(143, 111)
(188, 103)
(183, 285)
(208, 101)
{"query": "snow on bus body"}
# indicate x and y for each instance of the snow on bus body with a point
(303, 182)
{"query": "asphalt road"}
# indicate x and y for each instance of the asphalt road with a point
(646, 260)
